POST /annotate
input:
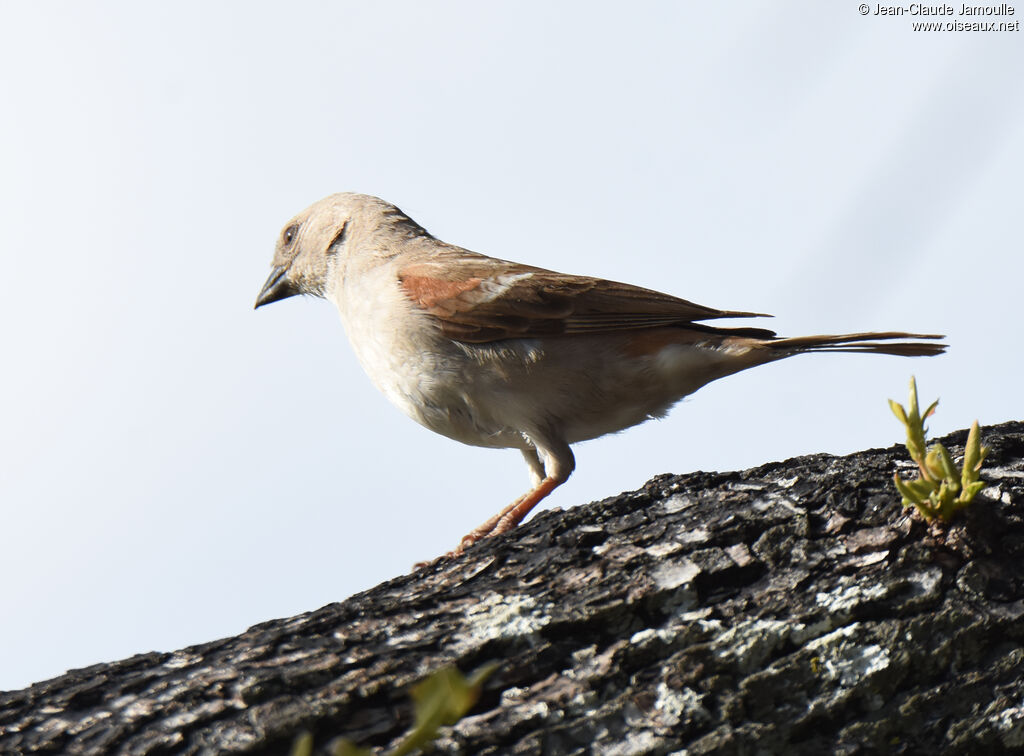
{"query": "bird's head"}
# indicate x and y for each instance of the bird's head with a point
(324, 238)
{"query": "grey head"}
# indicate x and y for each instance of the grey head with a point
(310, 244)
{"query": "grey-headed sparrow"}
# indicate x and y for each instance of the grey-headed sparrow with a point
(495, 353)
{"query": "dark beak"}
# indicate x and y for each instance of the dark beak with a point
(277, 287)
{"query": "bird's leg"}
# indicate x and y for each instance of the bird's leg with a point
(515, 514)
(536, 477)
(558, 464)
(536, 466)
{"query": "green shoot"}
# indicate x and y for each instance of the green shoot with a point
(441, 699)
(942, 490)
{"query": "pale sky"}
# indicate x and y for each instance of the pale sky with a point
(175, 467)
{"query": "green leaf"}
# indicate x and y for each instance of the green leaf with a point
(913, 492)
(477, 678)
(973, 456)
(442, 699)
(941, 501)
(302, 745)
(344, 747)
(923, 488)
(914, 414)
(971, 490)
(948, 467)
(897, 409)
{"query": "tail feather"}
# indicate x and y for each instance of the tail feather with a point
(864, 343)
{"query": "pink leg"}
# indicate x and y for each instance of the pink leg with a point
(548, 475)
(511, 515)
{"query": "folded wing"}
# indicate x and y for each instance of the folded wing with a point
(478, 299)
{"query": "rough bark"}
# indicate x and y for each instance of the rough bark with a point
(795, 608)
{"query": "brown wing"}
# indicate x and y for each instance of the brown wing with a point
(479, 299)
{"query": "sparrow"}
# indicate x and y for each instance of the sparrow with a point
(499, 354)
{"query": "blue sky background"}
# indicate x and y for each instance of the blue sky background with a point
(175, 467)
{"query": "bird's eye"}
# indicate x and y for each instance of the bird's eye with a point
(289, 235)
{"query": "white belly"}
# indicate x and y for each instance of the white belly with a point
(494, 395)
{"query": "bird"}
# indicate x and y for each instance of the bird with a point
(500, 354)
